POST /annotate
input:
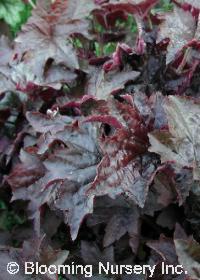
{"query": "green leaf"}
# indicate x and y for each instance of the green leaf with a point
(99, 28)
(24, 15)
(8, 219)
(77, 43)
(97, 49)
(109, 48)
(10, 11)
(163, 6)
(2, 205)
(131, 24)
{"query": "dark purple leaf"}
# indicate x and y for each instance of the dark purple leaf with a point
(180, 27)
(6, 57)
(102, 85)
(180, 143)
(92, 255)
(69, 170)
(36, 250)
(121, 223)
(188, 252)
(46, 38)
(165, 248)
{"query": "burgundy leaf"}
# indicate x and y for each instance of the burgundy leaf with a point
(194, 3)
(23, 175)
(125, 167)
(140, 7)
(127, 173)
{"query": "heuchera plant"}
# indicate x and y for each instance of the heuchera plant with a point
(100, 136)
